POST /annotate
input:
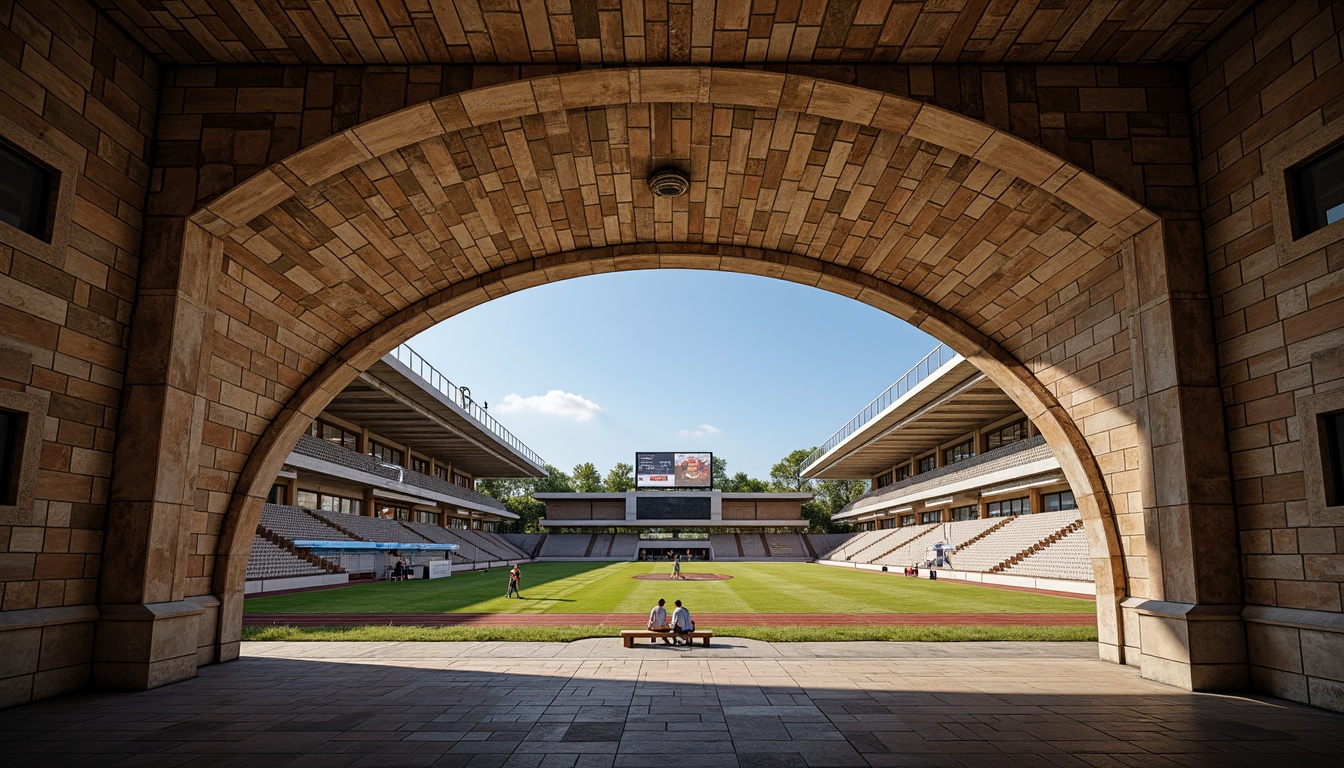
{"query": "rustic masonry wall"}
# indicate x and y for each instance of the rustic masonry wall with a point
(223, 124)
(79, 95)
(220, 126)
(1265, 95)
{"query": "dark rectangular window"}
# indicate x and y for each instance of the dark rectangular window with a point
(1007, 435)
(1333, 431)
(1318, 191)
(965, 513)
(1057, 502)
(883, 480)
(419, 465)
(25, 193)
(394, 513)
(907, 520)
(959, 452)
(441, 472)
(10, 424)
(903, 472)
(462, 480)
(386, 452)
(931, 517)
(277, 494)
(928, 464)
(1009, 507)
(335, 435)
(432, 518)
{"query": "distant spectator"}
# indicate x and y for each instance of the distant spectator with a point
(399, 570)
(676, 567)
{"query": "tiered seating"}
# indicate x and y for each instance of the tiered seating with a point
(752, 545)
(294, 523)
(526, 543)
(371, 528)
(724, 546)
(566, 544)
(626, 546)
(491, 544)
(788, 545)
(895, 540)
(1017, 535)
(1067, 558)
(857, 544)
(913, 542)
(826, 543)
(464, 553)
(958, 533)
(269, 561)
(601, 542)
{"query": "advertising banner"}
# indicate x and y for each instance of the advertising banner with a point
(673, 470)
(440, 568)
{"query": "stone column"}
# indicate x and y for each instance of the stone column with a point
(1190, 630)
(148, 632)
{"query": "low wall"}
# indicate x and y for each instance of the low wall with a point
(262, 586)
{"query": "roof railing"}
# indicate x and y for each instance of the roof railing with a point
(462, 397)
(940, 355)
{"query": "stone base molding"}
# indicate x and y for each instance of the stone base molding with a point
(1297, 654)
(143, 646)
(1191, 646)
(45, 652)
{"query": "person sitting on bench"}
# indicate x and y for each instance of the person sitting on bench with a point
(682, 624)
(658, 621)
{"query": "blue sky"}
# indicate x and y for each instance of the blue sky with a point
(597, 368)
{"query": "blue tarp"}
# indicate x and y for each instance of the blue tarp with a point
(370, 546)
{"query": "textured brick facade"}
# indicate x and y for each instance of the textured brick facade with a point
(1274, 86)
(301, 220)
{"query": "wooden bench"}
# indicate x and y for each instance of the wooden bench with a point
(628, 635)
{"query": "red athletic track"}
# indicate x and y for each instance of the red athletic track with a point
(708, 620)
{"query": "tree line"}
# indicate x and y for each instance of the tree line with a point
(830, 496)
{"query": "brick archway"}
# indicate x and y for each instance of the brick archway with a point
(1054, 283)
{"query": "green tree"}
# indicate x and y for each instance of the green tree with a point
(718, 472)
(741, 483)
(620, 479)
(586, 479)
(555, 481)
(831, 497)
(787, 473)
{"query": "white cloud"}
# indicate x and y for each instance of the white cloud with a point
(557, 402)
(704, 430)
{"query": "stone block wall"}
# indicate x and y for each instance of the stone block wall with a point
(1266, 95)
(78, 95)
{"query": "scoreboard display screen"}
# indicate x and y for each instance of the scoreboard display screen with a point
(672, 508)
(673, 470)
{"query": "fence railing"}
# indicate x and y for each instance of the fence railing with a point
(940, 355)
(461, 396)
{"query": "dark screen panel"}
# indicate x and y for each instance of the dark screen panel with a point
(672, 508)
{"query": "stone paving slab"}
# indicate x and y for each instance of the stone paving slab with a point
(737, 704)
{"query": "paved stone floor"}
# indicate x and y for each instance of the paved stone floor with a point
(739, 703)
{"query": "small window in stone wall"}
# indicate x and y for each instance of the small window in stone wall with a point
(26, 187)
(11, 426)
(1318, 191)
(1332, 454)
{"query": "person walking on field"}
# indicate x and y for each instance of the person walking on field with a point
(676, 567)
(514, 582)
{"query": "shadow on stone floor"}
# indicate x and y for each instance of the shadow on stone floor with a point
(497, 713)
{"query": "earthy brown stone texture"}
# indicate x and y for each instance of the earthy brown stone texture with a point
(1268, 94)
(76, 93)
(671, 31)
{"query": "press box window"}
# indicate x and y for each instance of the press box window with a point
(25, 193)
(1058, 502)
(1318, 191)
(1332, 435)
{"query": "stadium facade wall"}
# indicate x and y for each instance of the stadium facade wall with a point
(160, 463)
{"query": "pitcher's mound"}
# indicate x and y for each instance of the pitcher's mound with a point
(684, 577)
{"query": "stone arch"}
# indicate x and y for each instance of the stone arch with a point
(1052, 268)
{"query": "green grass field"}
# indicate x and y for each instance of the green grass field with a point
(763, 588)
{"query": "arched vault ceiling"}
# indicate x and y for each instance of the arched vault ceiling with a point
(721, 32)
(371, 240)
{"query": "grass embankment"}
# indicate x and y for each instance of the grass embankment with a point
(721, 634)
(607, 588)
